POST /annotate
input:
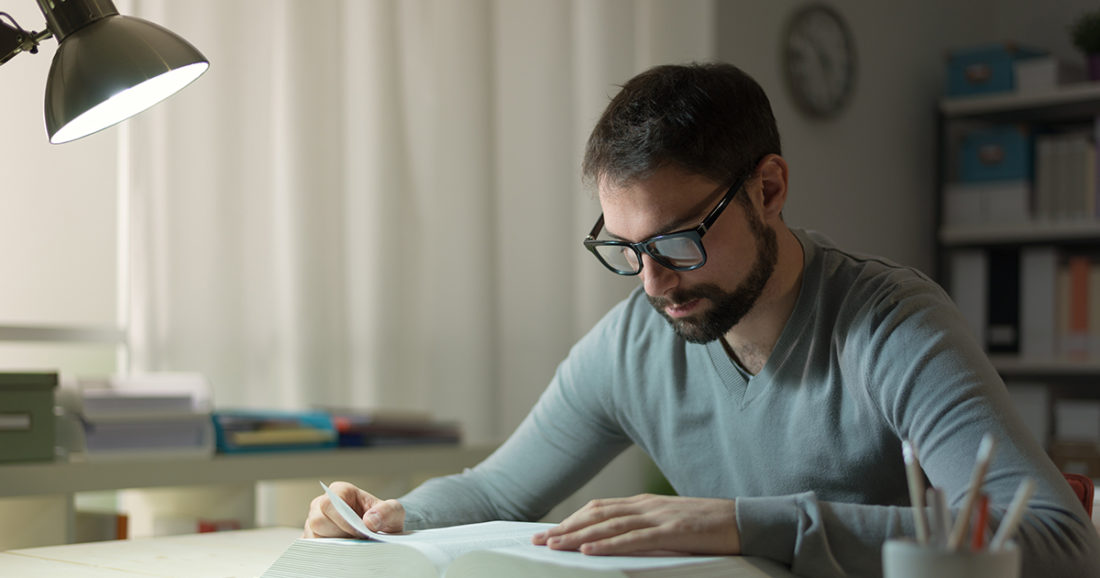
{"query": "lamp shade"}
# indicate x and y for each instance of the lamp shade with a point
(111, 69)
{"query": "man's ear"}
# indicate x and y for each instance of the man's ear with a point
(773, 178)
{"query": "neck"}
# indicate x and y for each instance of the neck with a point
(753, 339)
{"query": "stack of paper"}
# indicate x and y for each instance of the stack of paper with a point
(140, 416)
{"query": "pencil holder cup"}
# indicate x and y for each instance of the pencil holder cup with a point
(907, 559)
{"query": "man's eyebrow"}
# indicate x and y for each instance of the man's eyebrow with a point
(681, 224)
(675, 226)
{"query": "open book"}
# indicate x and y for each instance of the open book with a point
(485, 550)
(489, 550)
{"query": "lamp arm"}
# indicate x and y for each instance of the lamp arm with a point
(13, 39)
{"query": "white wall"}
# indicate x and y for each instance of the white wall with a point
(57, 217)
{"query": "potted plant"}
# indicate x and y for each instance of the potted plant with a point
(1085, 32)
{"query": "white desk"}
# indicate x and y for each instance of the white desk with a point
(240, 554)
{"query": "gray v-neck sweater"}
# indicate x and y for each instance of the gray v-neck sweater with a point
(873, 353)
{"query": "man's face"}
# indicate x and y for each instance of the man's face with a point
(742, 251)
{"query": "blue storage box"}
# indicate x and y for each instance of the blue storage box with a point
(985, 69)
(997, 153)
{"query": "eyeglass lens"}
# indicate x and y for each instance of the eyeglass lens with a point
(675, 252)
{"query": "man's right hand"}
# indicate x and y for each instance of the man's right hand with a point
(379, 515)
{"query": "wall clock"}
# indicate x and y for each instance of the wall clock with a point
(819, 60)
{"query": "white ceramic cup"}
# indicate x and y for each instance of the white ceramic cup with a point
(906, 559)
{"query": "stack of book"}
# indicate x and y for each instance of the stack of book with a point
(272, 430)
(364, 428)
(156, 415)
(1065, 175)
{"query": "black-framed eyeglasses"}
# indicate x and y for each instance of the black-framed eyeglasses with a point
(679, 251)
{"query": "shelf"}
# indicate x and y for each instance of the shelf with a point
(1059, 103)
(46, 478)
(1011, 366)
(1007, 234)
(73, 334)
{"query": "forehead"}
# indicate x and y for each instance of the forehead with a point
(668, 200)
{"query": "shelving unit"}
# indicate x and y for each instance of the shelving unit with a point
(1061, 107)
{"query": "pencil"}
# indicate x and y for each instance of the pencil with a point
(981, 466)
(1015, 514)
(916, 489)
(940, 524)
(981, 517)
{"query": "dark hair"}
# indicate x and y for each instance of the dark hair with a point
(709, 119)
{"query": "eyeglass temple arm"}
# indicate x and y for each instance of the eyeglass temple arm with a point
(596, 230)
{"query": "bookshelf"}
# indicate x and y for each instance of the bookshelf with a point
(974, 232)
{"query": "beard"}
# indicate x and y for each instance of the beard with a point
(729, 306)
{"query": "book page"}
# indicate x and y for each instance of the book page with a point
(455, 538)
(442, 545)
(351, 558)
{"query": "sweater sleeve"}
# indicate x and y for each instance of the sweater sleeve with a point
(910, 356)
(566, 439)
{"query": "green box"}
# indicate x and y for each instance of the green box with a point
(26, 416)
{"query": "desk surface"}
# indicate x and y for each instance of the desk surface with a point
(239, 554)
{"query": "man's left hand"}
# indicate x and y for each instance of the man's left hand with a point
(648, 524)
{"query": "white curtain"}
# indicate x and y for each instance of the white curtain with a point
(375, 203)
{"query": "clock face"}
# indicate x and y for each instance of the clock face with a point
(819, 60)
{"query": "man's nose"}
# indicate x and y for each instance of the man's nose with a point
(657, 279)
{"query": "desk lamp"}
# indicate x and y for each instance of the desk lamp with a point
(107, 67)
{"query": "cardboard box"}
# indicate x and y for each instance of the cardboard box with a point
(985, 69)
(997, 153)
(26, 416)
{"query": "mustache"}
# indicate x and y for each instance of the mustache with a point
(681, 296)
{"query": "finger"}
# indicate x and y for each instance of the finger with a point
(320, 525)
(328, 509)
(605, 529)
(641, 541)
(359, 500)
(594, 512)
(385, 516)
